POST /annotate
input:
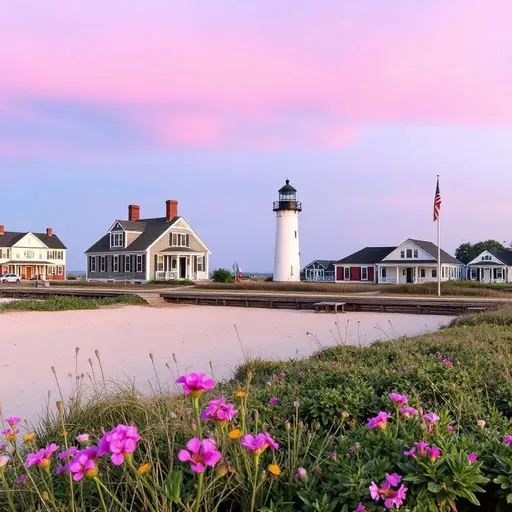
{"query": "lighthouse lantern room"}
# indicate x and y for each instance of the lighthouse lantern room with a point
(287, 254)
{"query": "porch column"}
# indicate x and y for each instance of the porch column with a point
(416, 275)
(397, 275)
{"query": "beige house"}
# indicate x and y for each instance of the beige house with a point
(143, 250)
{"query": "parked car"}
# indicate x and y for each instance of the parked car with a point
(10, 278)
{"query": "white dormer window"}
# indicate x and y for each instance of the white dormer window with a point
(116, 239)
(402, 254)
(409, 253)
(179, 240)
(416, 253)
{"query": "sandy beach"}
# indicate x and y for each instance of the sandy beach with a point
(33, 342)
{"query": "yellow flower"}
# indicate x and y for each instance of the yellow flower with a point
(11, 437)
(29, 437)
(235, 434)
(143, 469)
(274, 469)
(64, 434)
(240, 394)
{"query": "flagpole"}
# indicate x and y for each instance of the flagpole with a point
(438, 251)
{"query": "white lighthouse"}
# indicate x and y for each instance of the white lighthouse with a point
(287, 255)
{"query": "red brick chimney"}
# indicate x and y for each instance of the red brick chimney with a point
(171, 209)
(133, 212)
(2, 229)
(49, 231)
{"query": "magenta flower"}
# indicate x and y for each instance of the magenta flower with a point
(394, 479)
(195, 384)
(274, 400)
(21, 478)
(360, 508)
(67, 454)
(392, 497)
(433, 454)
(300, 474)
(282, 374)
(200, 454)
(4, 459)
(508, 439)
(2, 447)
(408, 411)
(431, 417)
(380, 421)
(82, 438)
(447, 362)
(121, 442)
(62, 469)
(300, 374)
(411, 452)
(450, 428)
(398, 399)
(219, 410)
(84, 464)
(258, 444)
(422, 447)
(42, 457)
(472, 457)
(13, 421)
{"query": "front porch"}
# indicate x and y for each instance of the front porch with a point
(488, 274)
(183, 266)
(415, 274)
(28, 271)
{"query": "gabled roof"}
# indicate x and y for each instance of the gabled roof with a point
(150, 229)
(504, 256)
(367, 256)
(9, 238)
(431, 249)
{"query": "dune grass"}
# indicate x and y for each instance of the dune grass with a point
(68, 303)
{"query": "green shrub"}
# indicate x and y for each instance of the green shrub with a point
(68, 303)
(222, 275)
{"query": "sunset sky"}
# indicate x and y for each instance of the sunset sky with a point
(359, 103)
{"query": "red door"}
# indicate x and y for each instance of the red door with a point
(339, 273)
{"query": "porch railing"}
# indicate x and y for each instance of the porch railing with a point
(169, 275)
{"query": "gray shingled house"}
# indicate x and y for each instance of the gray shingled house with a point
(143, 250)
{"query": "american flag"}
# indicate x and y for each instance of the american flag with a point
(437, 201)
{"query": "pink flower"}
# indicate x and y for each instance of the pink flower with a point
(21, 478)
(394, 479)
(4, 459)
(422, 447)
(282, 374)
(13, 421)
(82, 438)
(301, 474)
(67, 454)
(480, 424)
(508, 439)
(408, 411)
(392, 497)
(411, 452)
(121, 442)
(450, 428)
(195, 384)
(42, 457)
(84, 464)
(398, 399)
(274, 400)
(359, 508)
(62, 469)
(200, 454)
(431, 417)
(374, 491)
(472, 457)
(219, 410)
(380, 421)
(447, 362)
(300, 374)
(433, 454)
(258, 444)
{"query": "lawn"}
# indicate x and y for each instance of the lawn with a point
(415, 424)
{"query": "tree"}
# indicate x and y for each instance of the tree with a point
(467, 252)
(222, 275)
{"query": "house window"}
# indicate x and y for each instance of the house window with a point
(422, 272)
(474, 274)
(116, 239)
(346, 273)
(498, 273)
(29, 254)
(402, 254)
(409, 253)
(127, 263)
(60, 270)
(103, 264)
(383, 272)
(139, 263)
(92, 264)
(416, 253)
(179, 240)
(200, 264)
(442, 272)
(115, 263)
(364, 273)
(434, 272)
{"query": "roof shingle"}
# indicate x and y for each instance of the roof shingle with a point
(9, 238)
(367, 256)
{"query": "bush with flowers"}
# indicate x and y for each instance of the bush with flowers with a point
(419, 424)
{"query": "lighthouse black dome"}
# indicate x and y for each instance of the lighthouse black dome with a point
(287, 199)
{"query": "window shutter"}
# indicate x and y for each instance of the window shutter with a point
(187, 240)
(121, 263)
(143, 263)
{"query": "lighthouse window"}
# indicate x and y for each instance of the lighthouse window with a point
(295, 234)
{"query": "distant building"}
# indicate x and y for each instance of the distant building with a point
(413, 261)
(32, 255)
(319, 271)
(287, 252)
(491, 267)
(141, 250)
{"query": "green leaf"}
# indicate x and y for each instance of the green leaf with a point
(172, 485)
(434, 488)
